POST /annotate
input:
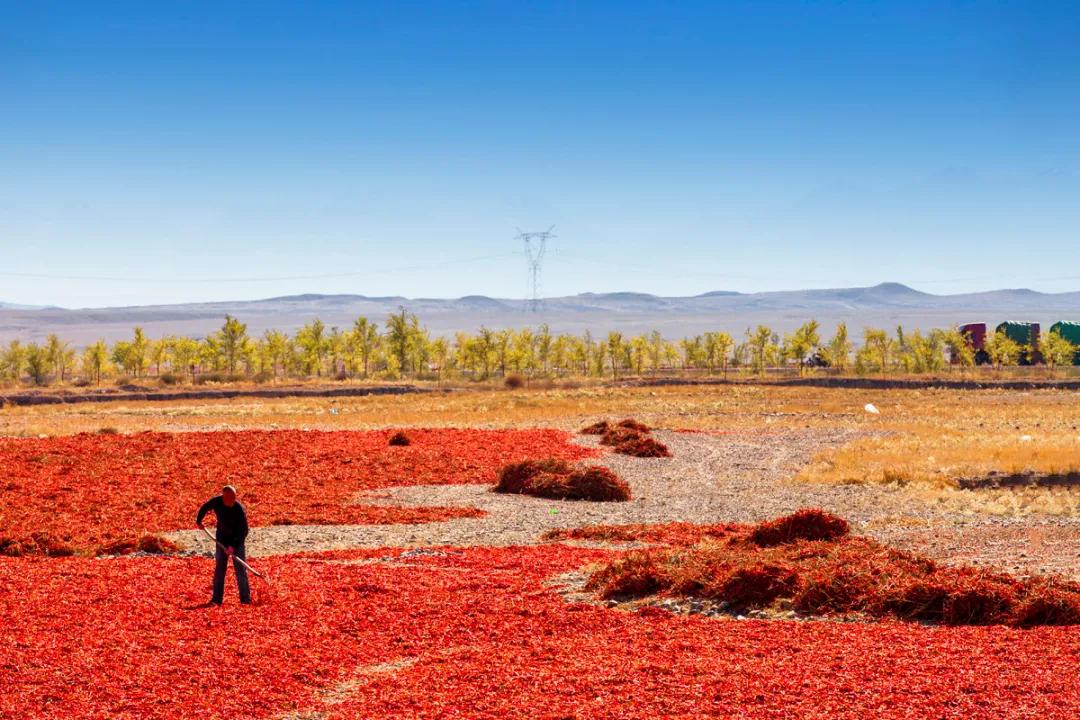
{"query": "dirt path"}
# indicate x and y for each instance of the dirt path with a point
(742, 477)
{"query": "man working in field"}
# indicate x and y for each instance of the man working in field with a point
(232, 530)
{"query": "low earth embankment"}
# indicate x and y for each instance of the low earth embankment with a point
(137, 393)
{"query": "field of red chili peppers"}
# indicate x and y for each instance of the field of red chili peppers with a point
(83, 492)
(476, 634)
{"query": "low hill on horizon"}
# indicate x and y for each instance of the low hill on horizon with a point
(885, 305)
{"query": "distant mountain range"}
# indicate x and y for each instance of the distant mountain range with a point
(886, 305)
(16, 306)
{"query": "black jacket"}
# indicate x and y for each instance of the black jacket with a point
(232, 525)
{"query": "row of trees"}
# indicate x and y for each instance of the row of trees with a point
(404, 348)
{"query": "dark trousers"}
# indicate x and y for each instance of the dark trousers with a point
(221, 563)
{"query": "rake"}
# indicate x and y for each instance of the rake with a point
(265, 578)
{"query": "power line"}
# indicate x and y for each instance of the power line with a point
(653, 270)
(280, 278)
(656, 272)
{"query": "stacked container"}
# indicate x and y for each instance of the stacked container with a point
(1071, 332)
(1026, 335)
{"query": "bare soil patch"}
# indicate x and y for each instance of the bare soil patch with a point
(735, 477)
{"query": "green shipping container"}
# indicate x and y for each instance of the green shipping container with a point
(1071, 332)
(1025, 334)
(1068, 330)
(1022, 333)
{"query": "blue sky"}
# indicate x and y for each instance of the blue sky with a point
(164, 152)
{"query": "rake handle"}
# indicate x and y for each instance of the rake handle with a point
(247, 567)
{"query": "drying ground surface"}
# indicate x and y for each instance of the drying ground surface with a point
(734, 477)
(402, 587)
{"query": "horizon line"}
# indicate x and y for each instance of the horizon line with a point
(31, 307)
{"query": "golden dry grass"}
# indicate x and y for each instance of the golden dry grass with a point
(938, 437)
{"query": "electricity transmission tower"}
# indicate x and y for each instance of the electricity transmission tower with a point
(535, 247)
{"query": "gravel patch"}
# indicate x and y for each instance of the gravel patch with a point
(735, 477)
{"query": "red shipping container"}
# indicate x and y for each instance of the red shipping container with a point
(976, 335)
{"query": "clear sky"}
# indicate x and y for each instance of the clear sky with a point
(162, 152)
